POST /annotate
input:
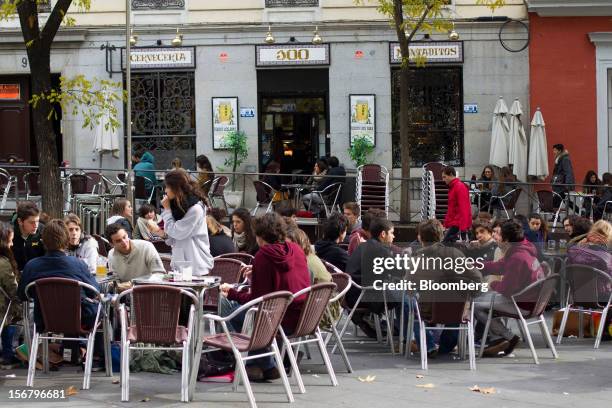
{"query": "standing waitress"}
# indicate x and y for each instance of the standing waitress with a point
(184, 218)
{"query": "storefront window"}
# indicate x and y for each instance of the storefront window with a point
(436, 116)
(163, 115)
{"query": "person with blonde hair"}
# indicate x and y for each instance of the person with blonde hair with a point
(594, 251)
(220, 243)
(600, 233)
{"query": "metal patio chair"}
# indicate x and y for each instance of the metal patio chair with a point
(265, 196)
(217, 190)
(513, 194)
(243, 257)
(330, 197)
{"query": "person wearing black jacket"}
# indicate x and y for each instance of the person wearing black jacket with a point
(563, 173)
(335, 174)
(328, 249)
(606, 195)
(27, 243)
(220, 242)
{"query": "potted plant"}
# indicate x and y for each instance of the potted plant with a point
(236, 143)
(361, 148)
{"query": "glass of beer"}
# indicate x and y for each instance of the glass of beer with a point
(101, 270)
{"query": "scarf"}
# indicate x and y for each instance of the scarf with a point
(597, 238)
(240, 240)
(177, 212)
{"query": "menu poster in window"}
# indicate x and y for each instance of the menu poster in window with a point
(225, 119)
(363, 117)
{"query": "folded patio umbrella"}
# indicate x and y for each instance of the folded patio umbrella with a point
(498, 155)
(538, 148)
(518, 142)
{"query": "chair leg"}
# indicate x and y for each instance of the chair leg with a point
(345, 358)
(125, 367)
(485, 333)
(294, 365)
(547, 337)
(88, 359)
(471, 346)
(529, 340)
(279, 363)
(326, 360)
(108, 360)
(423, 346)
(32, 362)
(602, 323)
(378, 328)
(566, 313)
(245, 378)
(45, 354)
(185, 372)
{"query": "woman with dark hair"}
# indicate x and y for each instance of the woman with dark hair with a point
(242, 231)
(205, 173)
(147, 224)
(591, 183)
(8, 283)
(122, 214)
(506, 182)
(486, 177)
(606, 195)
(184, 218)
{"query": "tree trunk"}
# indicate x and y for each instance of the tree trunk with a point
(49, 181)
(404, 144)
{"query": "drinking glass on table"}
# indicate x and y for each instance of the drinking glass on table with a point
(552, 245)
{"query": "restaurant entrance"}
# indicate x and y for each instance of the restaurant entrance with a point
(293, 122)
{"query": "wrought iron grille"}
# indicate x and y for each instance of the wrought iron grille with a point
(292, 3)
(44, 6)
(165, 149)
(158, 4)
(436, 116)
(163, 114)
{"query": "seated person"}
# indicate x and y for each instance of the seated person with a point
(129, 258)
(362, 234)
(56, 264)
(80, 245)
(27, 244)
(278, 265)
(328, 249)
(335, 174)
(578, 228)
(147, 224)
(430, 234)
(242, 231)
(485, 245)
(219, 242)
(520, 267)
(485, 182)
(537, 233)
(219, 215)
(606, 195)
(122, 213)
(352, 212)
(379, 245)
(10, 307)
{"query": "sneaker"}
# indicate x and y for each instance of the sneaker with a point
(495, 347)
(254, 373)
(367, 329)
(433, 353)
(511, 345)
(271, 374)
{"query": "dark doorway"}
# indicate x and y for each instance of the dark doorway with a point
(293, 118)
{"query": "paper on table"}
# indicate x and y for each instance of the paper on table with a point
(157, 277)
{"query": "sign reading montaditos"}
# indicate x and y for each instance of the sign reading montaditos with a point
(434, 52)
(292, 54)
(150, 58)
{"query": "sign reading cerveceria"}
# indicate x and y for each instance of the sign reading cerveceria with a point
(294, 54)
(432, 51)
(148, 58)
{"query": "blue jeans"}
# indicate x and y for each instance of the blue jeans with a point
(429, 334)
(448, 338)
(8, 334)
(227, 307)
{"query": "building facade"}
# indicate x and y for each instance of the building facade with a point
(571, 78)
(295, 100)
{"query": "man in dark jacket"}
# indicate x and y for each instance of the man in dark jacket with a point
(27, 244)
(278, 265)
(520, 267)
(328, 249)
(56, 264)
(563, 173)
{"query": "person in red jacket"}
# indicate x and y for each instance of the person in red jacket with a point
(458, 220)
(520, 268)
(278, 265)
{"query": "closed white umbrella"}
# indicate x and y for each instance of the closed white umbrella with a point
(106, 139)
(538, 148)
(498, 155)
(518, 142)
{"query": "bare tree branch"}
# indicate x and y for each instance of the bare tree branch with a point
(421, 20)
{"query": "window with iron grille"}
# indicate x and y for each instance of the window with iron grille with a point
(436, 116)
(163, 115)
(158, 4)
(292, 3)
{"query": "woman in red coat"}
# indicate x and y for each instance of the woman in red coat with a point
(458, 218)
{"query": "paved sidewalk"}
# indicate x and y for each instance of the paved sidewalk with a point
(581, 377)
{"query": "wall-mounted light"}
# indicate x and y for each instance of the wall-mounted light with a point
(269, 37)
(133, 38)
(453, 35)
(177, 41)
(316, 39)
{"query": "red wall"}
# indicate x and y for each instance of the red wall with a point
(562, 82)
